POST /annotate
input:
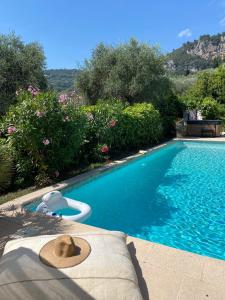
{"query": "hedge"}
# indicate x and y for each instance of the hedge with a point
(46, 133)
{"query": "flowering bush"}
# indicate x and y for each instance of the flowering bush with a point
(103, 119)
(114, 127)
(44, 133)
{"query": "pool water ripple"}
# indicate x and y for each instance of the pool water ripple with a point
(174, 196)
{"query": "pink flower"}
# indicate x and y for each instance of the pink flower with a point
(66, 119)
(34, 91)
(46, 142)
(56, 173)
(11, 129)
(104, 149)
(112, 124)
(63, 98)
(90, 117)
(39, 114)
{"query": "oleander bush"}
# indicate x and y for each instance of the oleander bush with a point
(104, 133)
(115, 127)
(44, 133)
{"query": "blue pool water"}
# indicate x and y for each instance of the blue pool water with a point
(174, 196)
(67, 211)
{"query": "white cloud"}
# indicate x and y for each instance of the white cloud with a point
(222, 22)
(185, 33)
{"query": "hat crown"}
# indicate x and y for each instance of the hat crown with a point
(64, 251)
(64, 246)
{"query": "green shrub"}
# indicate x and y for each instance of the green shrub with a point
(142, 125)
(104, 120)
(114, 127)
(44, 134)
(210, 108)
(6, 168)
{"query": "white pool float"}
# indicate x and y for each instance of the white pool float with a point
(54, 201)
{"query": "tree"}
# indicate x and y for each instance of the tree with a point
(208, 84)
(210, 108)
(21, 65)
(132, 72)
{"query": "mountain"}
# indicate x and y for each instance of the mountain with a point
(206, 52)
(61, 79)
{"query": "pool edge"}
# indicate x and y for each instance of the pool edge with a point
(20, 202)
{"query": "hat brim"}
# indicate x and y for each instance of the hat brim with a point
(48, 257)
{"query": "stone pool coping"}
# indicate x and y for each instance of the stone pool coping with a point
(19, 202)
(164, 273)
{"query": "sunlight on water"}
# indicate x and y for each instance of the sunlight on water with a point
(175, 196)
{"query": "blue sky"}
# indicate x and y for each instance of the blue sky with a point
(68, 30)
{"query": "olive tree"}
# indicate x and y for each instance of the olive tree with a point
(132, 72)
(21, 65)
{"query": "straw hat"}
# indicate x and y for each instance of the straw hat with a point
(65, 251)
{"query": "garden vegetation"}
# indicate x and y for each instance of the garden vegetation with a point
(46, 134)
(20, 65)
(207, 94)
(130, 104)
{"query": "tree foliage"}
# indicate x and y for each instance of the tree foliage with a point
(185, 63)
(21, 65)
(132, 72)
(209, 108)
(208, 84)
(207, 94)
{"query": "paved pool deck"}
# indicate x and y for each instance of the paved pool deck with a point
(164, 273)
(202, 139)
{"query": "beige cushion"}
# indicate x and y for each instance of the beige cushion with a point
(107, 273)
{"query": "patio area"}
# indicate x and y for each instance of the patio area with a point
(164, 273)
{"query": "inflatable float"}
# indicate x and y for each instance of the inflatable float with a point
(54, 201)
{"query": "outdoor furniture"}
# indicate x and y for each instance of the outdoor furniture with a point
(200, 128)
(105, 272)
(208, 132)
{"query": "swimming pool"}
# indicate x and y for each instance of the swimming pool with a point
(174, 196)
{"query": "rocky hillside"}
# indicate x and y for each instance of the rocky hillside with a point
(206, 52)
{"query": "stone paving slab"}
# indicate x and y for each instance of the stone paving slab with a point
(164, 273)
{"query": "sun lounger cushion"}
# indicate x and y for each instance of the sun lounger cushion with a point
(107, 273)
